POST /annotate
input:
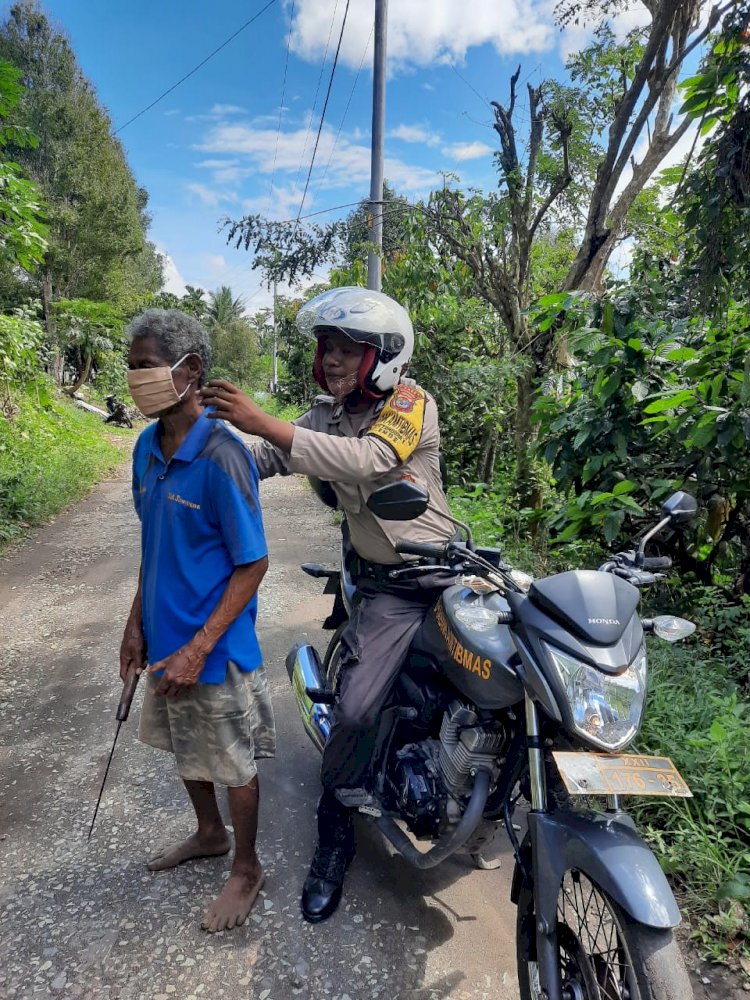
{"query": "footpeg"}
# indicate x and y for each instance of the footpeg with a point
(371, 810)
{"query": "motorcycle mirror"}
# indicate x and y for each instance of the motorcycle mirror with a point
(680, 508)
(401, 501)
(672, 629)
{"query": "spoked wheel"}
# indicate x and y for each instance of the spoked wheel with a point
(603, 953)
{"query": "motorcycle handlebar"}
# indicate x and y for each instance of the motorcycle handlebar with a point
(656, 562)
(426, 549)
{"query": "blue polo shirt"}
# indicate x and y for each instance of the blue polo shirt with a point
(200, 518)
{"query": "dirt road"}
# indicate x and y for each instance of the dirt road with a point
(89, 921)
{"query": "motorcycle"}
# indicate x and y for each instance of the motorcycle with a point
(117, 413)
(516, 690)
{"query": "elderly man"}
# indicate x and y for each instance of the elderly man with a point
(203, 556)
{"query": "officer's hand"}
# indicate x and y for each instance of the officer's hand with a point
(181, 671)
(132, 651)
(231, 403)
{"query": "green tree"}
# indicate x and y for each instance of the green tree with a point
(223, 308)
(713, 199)
(22, 229)
(575, 161)
(88, 331)
(96, 213)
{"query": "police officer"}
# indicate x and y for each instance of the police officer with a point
(373, 427)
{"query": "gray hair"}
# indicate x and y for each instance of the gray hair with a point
(175, 333)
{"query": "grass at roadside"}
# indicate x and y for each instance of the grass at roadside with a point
(51, 453)
(273, 405)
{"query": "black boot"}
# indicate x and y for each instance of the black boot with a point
(321, 893)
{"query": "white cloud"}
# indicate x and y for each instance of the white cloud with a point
(414, 133)
(422, 32)
(216, 261)
(171, 113)
(339, 163)
(467, 150)
(217, 164)
(209, 196)
(278, 203)
(227, 109)
(173, 280)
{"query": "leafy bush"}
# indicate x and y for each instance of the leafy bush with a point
(653, 403)
(51, 453)
(695, 715)
(19, 341)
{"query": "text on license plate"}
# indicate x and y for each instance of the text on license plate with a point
(619, 774)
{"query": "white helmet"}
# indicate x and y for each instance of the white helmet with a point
(370, 318)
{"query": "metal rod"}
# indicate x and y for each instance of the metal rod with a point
(654, 531)
(275, 376)
(375, 220)
(536, 760)
(104, 780)
(123, 710)
(613, 803)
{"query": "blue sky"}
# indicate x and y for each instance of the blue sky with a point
(222, 144)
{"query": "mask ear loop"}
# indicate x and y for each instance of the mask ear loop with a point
(189, 386)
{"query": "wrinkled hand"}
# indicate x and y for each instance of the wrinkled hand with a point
(181, 671)
(132, 652)
(231, 403)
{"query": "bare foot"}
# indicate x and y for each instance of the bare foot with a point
(194, 847)
(234, 902)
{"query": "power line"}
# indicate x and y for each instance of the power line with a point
(346, 109)
(317, 91)
(325, 107)
(196, 68)
(283, 94)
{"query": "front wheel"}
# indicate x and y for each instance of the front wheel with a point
(603, 953)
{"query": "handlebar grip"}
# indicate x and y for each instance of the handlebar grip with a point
(126, 700)
(657, 562)
(427, 549)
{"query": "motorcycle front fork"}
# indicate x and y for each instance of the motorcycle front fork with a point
(547, 973)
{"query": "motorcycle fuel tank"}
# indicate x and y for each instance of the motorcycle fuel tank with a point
(462, 637)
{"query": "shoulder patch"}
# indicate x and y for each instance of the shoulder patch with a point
(400, 421)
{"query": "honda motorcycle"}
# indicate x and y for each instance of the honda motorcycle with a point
(519, 691)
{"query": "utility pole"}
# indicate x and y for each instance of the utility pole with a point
(375, 220)
(275, 376)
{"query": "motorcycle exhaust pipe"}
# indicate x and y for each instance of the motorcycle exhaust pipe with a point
(306, 672)
(446, 845)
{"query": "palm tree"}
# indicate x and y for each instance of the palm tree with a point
(223, 309)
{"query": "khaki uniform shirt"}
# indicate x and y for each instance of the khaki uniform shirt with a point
(352, 452)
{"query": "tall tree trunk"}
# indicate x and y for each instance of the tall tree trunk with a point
(56, 360)
(538, 357)
(486, 464)
(71, 390)
(523, 431)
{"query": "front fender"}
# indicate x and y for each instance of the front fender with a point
(607, 848)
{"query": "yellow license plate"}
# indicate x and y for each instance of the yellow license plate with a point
(620, 774)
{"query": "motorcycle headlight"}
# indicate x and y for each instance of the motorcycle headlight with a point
(606, 708)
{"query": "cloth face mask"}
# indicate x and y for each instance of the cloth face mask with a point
(340, 388)
(153, 389)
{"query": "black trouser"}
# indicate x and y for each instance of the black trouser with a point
(374, 646)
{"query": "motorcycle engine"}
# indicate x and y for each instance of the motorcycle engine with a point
(420, 796)
(466, 746)
(431, 776)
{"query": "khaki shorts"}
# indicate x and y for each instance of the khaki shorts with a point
(215, 731)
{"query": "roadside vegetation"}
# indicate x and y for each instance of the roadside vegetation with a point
(576, 392)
